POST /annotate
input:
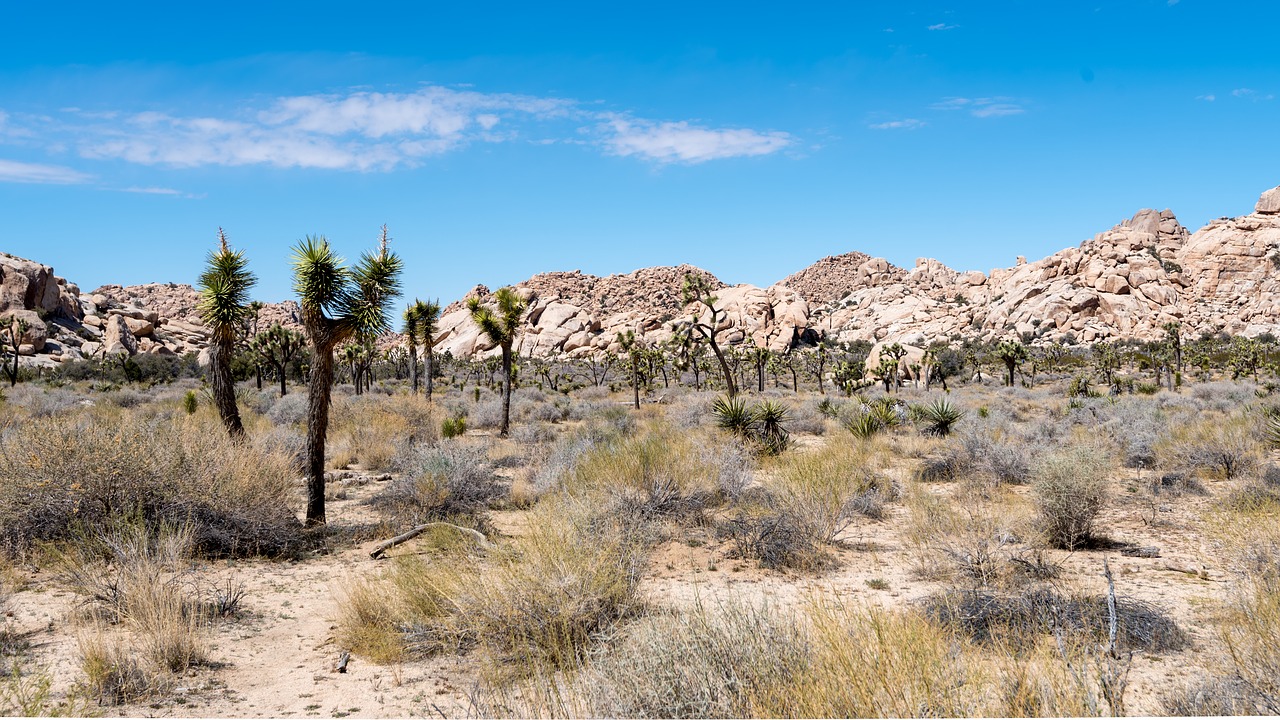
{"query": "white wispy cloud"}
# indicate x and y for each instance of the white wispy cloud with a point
(943, 26)
(1207, 98)
(1251, 94)
(904, 124)
(685, 143)
(984, 107)
(371, 131)
(21, 172)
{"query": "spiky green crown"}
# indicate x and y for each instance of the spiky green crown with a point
(224, 286)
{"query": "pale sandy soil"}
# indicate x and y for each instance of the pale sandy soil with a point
(278, 658)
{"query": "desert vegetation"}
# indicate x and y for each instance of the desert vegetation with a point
(679, 529)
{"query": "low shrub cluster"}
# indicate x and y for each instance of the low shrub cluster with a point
(73, 474)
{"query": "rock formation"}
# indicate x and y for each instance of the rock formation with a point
(1126, 282)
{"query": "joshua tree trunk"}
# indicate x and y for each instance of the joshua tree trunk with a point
(223, 385)
(1011, 366)
(317, 426)
(413, 366)
(426, 361)
(506, 391)
(635, 380)
(284, 379)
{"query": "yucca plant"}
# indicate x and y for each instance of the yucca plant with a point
(769, 418)
(732, 414)
(939, 417)
(337, 304)
(224, 297)
(1272, 428)
(864, 425)
(501, 323)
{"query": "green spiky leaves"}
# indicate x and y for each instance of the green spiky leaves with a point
(357, 298)
(500, 322)
(224, 287)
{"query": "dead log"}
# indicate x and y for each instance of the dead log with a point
(382, 547)
(343, 659)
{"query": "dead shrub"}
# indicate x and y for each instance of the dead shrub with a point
(777, 540)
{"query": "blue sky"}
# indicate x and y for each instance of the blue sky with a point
(497, 140)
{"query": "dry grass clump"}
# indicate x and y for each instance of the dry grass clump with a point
(829, 488)
(70, 472)
(544, 601)
(134, 578)
(368, 430)
(437, 482)
(975, 545)
(1225, 447)
(652, 474)
(777, 539)
(739, 660)
(1071, 487)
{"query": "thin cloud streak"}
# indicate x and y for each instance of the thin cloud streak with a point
(12, 171)
(685, 143)
(904, 124)
(378, 132)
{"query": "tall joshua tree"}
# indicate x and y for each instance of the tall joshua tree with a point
(1013, 353)
(411, 321)
(422, 320)
(224, 294)
(697, 289)
(501, 325)
(337, 304)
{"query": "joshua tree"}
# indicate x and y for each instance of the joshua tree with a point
(1173, 336)
(276, 346)
(1013, 354)
(224, 293)
(501, 327)
(10, 330)
(428, 326)
(635, 352)
(697, 289)
(411, 322)
(760, 357)
(337, 304)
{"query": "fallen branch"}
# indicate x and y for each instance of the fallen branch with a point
(479, 537)
(1201, 573)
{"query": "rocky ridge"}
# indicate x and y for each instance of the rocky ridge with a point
(1126, 282)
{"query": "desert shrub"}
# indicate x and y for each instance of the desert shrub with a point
(544, 602)
(485, 414)
(706, 662)
(1016, 619)
(562, 459)
(1136, 427)
(650, 475)
(733, 465)
(69, 473)
(289, 410)
(190, 403)
(1227, 447)
(439, 482)
(537, 434)
(370, 431)
(1224, 396)
(134, 576)
(943, 468)
(995, 448)
(738, 660)
(1070, 488)
(826, 489)
(1252, 636)
(806, 419)
(42, 402)
(777, 539)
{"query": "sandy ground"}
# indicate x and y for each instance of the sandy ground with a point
(278, 658)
